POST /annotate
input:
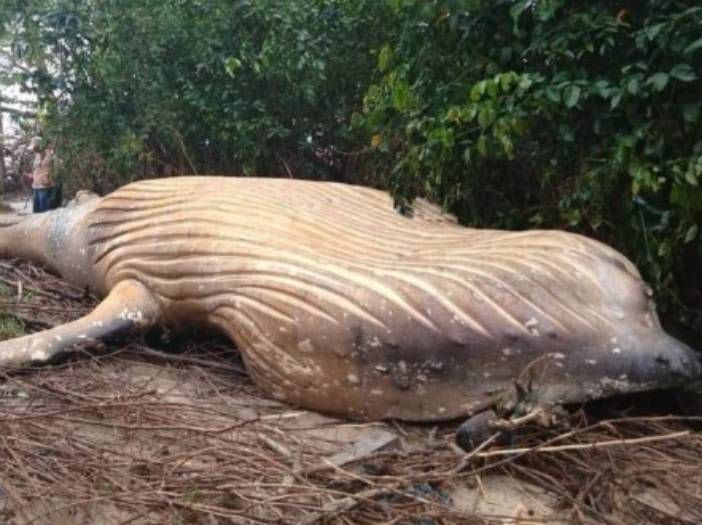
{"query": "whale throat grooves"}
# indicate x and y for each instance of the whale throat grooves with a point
(333, 297)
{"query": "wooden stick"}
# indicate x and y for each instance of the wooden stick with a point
(585, 446)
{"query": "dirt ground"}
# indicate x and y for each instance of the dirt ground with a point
(173, 431)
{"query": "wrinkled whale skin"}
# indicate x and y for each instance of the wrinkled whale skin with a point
(340, 304)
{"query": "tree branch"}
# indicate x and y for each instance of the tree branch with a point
(18, 112)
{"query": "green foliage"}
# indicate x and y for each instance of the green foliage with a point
(133, 88)
(10, 327)
(547, 113)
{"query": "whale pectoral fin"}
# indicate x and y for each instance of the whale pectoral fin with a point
(128, 307)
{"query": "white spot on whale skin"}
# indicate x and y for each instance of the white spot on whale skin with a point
(305, 346)
(353, 379)
(616, 351)
(376, 392)
(135, 316)
(531, 325)
(618, 314)
(39, 355)
(591, 361)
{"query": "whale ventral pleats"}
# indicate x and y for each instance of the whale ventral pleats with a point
(340, 304)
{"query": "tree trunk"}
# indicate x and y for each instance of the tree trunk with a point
(3, 170)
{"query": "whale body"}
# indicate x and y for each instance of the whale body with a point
(340, 304)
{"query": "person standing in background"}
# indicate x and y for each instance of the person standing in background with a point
(45, 194)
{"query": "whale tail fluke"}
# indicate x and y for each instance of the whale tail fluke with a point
(26, 236)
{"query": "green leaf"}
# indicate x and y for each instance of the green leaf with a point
(507, 145)
(525, 82)
(516, 11)
(658, 81)
(454, 114)
(633, 86)
(482, 146)
(615, 100)
(356, 120)
(691, 112)
(506, 80)
(602, 88)
(536, 219)
(469, 113)
(692, 232)
(552, 94)
(401, 96)
(477, 91)
(546, 11)
(491, 88)
(232, 65)
(653, 31)
(467, 156)
(486, 116)
(384, 58)
(573, 216)
(697, 44)
(683, 72)
(571, 95)
(566, 133)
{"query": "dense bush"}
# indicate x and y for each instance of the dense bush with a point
(140, 87)
(549, 113)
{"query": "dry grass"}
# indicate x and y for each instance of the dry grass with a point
(128, 435)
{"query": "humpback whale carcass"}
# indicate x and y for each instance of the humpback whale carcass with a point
(340, 304)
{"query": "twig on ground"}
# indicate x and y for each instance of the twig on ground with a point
(584, 446)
